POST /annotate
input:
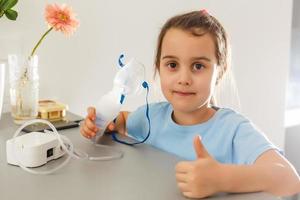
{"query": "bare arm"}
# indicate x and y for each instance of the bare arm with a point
(206, 176)
(270, 173)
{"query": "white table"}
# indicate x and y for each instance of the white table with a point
(143, 173)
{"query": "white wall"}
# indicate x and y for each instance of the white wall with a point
(293, 93)
(78, 70)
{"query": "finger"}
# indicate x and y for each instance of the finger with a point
(200, 150)
(82, 132)
(91, 113)
(88, 131)
(181, 177)
(183, 187)
(91, 125)
(188, 194)
(183, 167)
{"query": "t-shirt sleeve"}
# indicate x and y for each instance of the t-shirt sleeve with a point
(137, 124)
(249, 143)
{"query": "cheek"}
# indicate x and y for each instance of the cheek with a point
(164, 83)
(205, 85)
(164, 79)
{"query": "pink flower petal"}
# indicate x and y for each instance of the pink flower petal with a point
(61, 18)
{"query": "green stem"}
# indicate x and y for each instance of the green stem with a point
(39, 42)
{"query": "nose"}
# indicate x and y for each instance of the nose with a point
(185, 77)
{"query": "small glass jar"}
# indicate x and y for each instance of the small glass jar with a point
(24, 87)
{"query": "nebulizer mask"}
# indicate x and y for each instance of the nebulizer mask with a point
(128, 81)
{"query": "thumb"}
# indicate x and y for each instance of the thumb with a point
(200, 150)
(91, 113)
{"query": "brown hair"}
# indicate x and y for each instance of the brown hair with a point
(198, 23)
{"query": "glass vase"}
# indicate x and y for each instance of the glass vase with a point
(24, 87)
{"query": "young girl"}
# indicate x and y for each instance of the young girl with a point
(225, 152)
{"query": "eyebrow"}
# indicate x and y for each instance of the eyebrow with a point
(193, 58)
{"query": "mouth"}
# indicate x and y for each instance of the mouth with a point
(183, 93)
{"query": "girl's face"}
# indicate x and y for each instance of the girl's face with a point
(188, 69)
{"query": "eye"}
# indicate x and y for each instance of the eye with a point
(172, 65)
(198, 66)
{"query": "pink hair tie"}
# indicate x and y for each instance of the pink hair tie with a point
(204, 12)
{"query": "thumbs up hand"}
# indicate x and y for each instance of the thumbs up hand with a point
(199, 178)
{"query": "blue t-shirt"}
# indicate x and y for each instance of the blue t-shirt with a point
(228, 136)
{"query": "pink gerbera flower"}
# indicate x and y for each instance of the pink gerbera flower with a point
(61, 18)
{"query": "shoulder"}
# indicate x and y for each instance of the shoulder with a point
(235, 123)
(230, 117)
(248, 141)
(241, 126)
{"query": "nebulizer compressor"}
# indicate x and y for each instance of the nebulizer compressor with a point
(35, 149)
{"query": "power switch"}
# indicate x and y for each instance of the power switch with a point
(49, 152)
